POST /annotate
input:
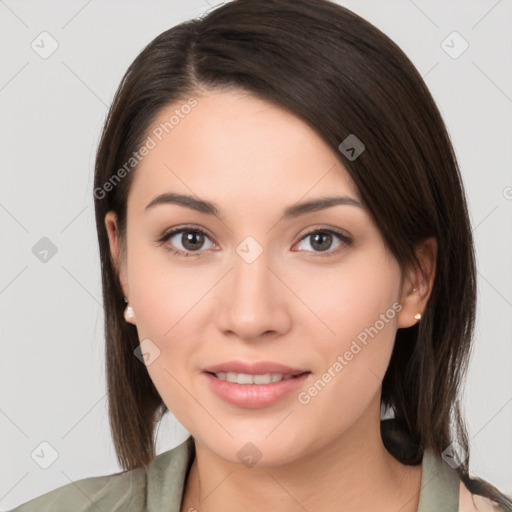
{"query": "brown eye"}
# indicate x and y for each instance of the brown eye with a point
(321, 240)
(185, 241)
(192, 240)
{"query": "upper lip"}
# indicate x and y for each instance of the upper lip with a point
(253, 368)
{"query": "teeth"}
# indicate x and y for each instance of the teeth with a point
(245, 378)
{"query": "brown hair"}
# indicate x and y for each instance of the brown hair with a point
(342, 76)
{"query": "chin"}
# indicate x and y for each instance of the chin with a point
(258, 447)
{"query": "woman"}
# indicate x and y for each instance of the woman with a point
(286, 251)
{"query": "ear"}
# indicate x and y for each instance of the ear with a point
(418, 283)
(116, 252)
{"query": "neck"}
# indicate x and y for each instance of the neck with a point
(354, 472)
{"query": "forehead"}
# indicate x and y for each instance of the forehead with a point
(232, 146)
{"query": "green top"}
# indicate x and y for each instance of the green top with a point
(159, 487)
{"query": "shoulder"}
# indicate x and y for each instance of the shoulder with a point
(111, 492)
(127, 491)
(469, 502)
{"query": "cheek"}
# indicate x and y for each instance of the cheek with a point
(163, 313)
(164, 290)
(351, 297)
(167, 299)
(357, 305)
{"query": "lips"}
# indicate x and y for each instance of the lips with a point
(248, 393)
(255, 396)
(254, 368)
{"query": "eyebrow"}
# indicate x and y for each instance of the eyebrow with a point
(293, 211)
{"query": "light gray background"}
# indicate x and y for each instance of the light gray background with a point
(51, 365)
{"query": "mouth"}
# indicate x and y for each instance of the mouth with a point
(258, 369)
(258, 379)
(263, 385)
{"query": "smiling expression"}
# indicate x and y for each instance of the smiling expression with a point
(227, 262)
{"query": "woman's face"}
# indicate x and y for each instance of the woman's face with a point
(260, 281)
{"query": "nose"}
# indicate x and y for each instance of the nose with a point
(253, 302)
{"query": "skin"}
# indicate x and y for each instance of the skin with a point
(252, 159)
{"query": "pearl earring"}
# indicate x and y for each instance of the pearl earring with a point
(417, 316)
(129, 314)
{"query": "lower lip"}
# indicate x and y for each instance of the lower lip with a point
(254, 396)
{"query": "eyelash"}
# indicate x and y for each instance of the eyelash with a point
(166, 236)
